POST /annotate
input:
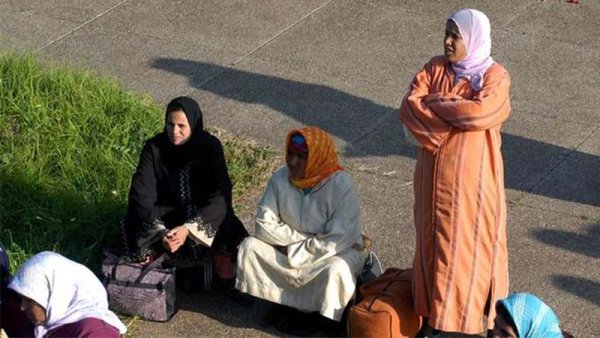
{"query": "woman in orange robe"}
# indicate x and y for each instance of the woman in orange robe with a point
(454, 108)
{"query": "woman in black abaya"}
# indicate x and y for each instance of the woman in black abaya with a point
(180, 196)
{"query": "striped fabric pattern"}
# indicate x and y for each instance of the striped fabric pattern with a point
(460, 208)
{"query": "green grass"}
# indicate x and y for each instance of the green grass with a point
(69, 143)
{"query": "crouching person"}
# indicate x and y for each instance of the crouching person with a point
(525, 315)
(305, 251)
(64, 299)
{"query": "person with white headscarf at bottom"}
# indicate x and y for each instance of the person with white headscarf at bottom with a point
(64, 298)
(454, 109)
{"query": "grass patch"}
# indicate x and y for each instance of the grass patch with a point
(69, 143)
(248, 164)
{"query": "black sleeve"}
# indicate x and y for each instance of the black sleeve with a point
(231, 230)
(217, 185)
(143, 215)
(219, 170)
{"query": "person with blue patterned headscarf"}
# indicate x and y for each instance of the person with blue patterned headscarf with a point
(524, 315)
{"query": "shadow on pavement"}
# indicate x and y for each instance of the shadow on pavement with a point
(348, 116)
(586, 244)
(581, 287)
(223, 309)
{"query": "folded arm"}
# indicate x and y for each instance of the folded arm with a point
(269, 228)
(422, 122)
(342, 230)
(488, 108)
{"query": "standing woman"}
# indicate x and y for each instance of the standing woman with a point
(181, 194)
(454, 108)
(64, 299)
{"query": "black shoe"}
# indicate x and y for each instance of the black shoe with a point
(274, 315)
(429, 332)
(425, 332)
(300, 324)
(223, 285)
(191, 280)
(332, 328)
(240, 298)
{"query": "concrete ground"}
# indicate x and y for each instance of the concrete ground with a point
(261, 67)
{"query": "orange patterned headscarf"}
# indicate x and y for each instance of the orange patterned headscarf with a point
(322, 159)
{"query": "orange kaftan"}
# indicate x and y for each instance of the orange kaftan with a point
(460, 207)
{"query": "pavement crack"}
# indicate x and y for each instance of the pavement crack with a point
(99, 15)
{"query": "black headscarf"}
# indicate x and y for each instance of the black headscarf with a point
(180, 155)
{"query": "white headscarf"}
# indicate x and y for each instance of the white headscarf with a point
(67, 290)
(474, 29)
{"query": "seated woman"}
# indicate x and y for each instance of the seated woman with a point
(180, 199)
(526, 316)
(13, 322)
(306, 250)
(64, 299)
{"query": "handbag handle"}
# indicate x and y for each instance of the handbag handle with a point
(155, 264)
(113, 273)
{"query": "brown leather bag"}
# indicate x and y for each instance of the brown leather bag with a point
(385, 307)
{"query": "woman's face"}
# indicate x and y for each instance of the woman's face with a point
(296, 162)
(178, 127)
(35, 312)
(502, 329)
(454, 46)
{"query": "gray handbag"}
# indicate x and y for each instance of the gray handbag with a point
(144, 291)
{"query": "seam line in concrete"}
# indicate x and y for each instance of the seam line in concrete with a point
(561, 161)
(579, 215)
(80, 26)
(557, 117)
(392, 8)
(283, 31)
(268, 41)
(587, 137)
(518, 14)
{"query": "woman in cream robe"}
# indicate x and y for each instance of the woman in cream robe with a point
(303, 253)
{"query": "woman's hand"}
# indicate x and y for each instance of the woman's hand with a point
(282, 249)
(432, 98)
(175, 238)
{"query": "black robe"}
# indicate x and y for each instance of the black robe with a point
(173, 185)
